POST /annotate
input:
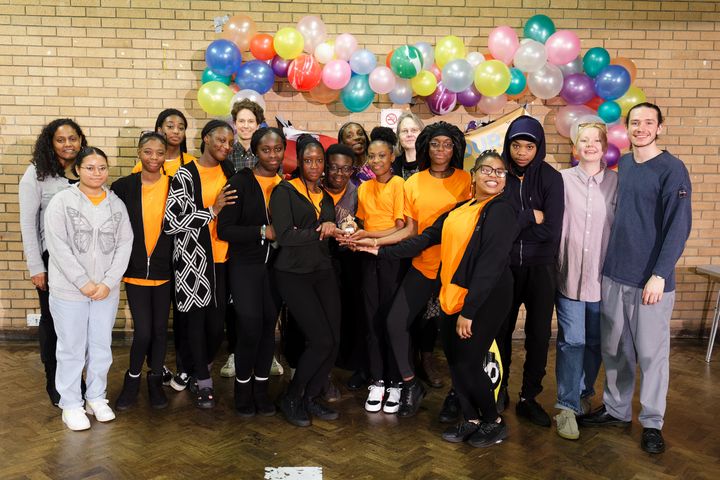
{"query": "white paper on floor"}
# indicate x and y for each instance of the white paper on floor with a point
(293, 473)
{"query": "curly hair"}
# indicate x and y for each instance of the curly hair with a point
(422, 144)
(43, 156)
(246, 104)
(385, 135)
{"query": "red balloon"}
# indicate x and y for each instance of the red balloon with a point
(595, 103)
(261, 46)
(304, 73)
(389, 56)
(488, 56)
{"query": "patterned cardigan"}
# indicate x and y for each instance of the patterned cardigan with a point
(187, 219)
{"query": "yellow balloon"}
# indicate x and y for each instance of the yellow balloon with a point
(492, 78)
(447, 49)
(632, 97)
(288, 43)
(424, 83)
(215, 97)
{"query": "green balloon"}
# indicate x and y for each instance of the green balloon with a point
(539, 28)
(609, 111)
(210, 76)
(406, 61)
(595, 60)
(357, 94)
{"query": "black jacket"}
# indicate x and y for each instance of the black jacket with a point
(486, 259)
(157, 266)
(240, 223)
(295, 222)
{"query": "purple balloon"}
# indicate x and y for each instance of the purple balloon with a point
(469, 97)
(280, 66)
(612, 155)
(441, 101)
(578, 89)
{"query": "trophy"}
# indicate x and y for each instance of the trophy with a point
(348, 225)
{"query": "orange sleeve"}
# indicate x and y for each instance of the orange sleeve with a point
(409, 198)
(399, 199)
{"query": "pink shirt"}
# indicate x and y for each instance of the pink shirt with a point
(589, 214)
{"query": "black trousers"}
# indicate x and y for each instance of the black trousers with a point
(465, 357)
(150, 309)
(46, 329)
(534, 286)
(353, 353)
(255, 306)
(314, 300)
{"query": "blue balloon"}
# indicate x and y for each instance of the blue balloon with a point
(612, 82)
(223, 57)
(363, 62)
(357, 94)
(210, 76)
(609, 111)
(255, 75)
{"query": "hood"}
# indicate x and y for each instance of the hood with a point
(525, 126)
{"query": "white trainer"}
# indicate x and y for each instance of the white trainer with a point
(228, 370)
(375, 397)
(75, 419)
(101, 410)
(392, 403)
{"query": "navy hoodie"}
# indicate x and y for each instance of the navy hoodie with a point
(539, 188)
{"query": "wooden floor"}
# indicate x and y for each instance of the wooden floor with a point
(184, 442)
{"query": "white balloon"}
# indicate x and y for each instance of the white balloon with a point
(547, 82)
(530, 56)
(475, 58)
(324, 52)
(248, 94)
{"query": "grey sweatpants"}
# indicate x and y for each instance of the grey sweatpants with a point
(635, 334)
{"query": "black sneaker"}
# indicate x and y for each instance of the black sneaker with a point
(179, 381)
(652, 441)
(316, 409)
(205, 398)
(460, 432)
(533, 411)
(503, 400)
(450, 411)
(192, 385)
(294, 411)
(489, 434)
(357, 380)
(167, 376)
(411, 396)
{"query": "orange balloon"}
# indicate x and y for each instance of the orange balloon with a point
(389, 56)
(261, 46)
(628, 64)
(488, 56)
(324, 94)
(239, 30)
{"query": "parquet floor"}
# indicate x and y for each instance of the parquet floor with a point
(184, 442)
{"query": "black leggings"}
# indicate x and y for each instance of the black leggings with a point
(46, 328)
(205, 327)
(314, 300)
(255, 305)
(465, 357)
(412, 296)
(150, 309)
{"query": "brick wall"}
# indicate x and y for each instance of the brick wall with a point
(114, 64)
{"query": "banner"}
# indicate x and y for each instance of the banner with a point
(488, 137)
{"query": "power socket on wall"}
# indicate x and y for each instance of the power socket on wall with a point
(33, 319)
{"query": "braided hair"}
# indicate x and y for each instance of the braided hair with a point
(437, 129)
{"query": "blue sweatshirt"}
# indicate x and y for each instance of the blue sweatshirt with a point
(652, 221)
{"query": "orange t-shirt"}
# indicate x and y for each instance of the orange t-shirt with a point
(213, 179)
(380, 204)
(315, 198)
(426, 198)
(96, 200)
(456, 233)
(170, 166)
(267, 184)
(337, 196)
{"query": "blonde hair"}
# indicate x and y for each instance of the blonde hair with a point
(398, 147)
(602, 131)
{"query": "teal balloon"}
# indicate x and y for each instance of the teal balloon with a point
(595, 60)
(210, 76)
(357, 95)
(609, 111)
(539, 28)
(517, 82)
(406, 61)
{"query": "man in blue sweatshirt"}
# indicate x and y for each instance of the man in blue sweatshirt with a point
(652, 224)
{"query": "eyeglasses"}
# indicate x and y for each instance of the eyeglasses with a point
(488, 170)
(347, 169)
(93, 169)
(444, 146)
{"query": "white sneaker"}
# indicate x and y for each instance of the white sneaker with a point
(75, 419)
(101, 410)
(375, 397)
(392, 404)
(276, 369)
(228, 370)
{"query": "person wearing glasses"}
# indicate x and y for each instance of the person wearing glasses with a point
(590, 196)
(89, 239)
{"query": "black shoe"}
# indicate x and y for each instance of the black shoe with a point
(316, 409)
(488, 434)
(205, 398)
(450, 411)
(294, 411)
(533, 411)
(599, 418)
(167, 376)
(157, 396)
(357, 380)
(128, 394)
(263, 405)
(652, 441)
(244, 400)
(503, 400)
(460, 432)
(192, 385)
(411, 396)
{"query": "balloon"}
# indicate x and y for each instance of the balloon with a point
(632, 97)
(424, 83)
(457, 75)
(223, 57)
(617, 135)
(517, 82)
(491, 105)
(574, 66)
(406, 61)
(427, 52)
(475, 58)
(577, 89)
(251, 95)
(587, 118)
(441, 101)
(435, 70)
(382, 80)
(609, 111)
(280, 66)
(492, 78)
(345, 45)
(402, 93)
(336, 74)
(448, 48)
(363, 62)
(388, 58)
(539, 28)
(357, 94)
(304, 73)
(313, 32)
(525, 92)
(255, 75)
(214, 98)
(288, 43)
(530, 56)
(562, 47)
(502, 43)
(567, 116)
(325, 52)
(324, 94)
(612, 155)
(261, 46)
(545, 83)
(210, 76)
(612, 82)
(628, 64)
(595, 60)
(469, 97)
(595, 102)
(239, 29)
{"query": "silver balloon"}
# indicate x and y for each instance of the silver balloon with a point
(402, 93)
(457, 75)
(547, 82)
(475, 58)
(530, 56)
(427, 52)
(576, 66)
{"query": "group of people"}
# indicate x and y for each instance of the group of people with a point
(366, 250)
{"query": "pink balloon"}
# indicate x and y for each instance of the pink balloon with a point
(490, 105)
(382, 80)
(617, 135)
(345, 45)
(567, 116)
(435, 70)
(502, 43)
(562, 47)
(336, 74)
